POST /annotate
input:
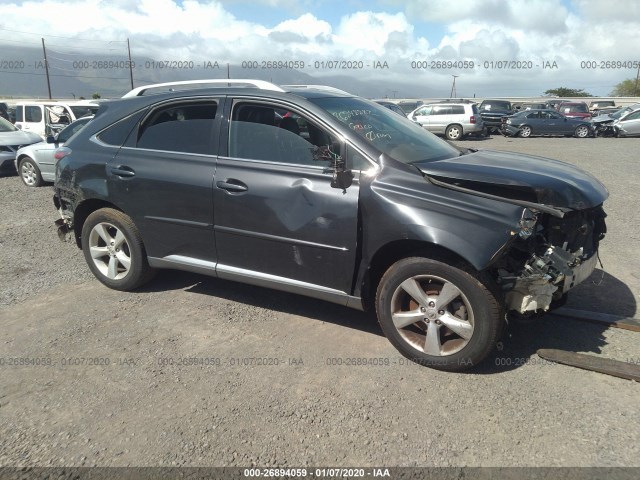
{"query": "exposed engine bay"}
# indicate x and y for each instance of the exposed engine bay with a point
(548, 257)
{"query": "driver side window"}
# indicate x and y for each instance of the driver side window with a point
(259, 131)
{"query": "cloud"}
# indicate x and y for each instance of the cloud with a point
(597, 12)
(367, 33)
(529, 30)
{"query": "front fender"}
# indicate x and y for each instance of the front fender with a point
(400, 204)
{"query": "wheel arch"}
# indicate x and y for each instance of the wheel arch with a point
(23, 155)
(394, 251)
(520, 127)
(83, 210)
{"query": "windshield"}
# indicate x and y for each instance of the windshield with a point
(6, 126)
(575, 108)
(390, 133)
(619, 113)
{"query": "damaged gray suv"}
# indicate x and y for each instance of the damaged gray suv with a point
(311, 190)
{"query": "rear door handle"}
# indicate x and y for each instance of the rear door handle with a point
(232, 185)
(123, 171)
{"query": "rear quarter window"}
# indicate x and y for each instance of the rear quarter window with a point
(118, 133)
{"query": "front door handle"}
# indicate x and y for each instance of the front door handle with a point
(123, 171)
(232, 185)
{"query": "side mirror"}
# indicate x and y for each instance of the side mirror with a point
(52, 139)
(342, 179)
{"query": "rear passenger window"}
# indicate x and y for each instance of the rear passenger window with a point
(185, 127)
(32, 113)
(457, 110)
(441, 110)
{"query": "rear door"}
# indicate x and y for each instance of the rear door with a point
(277, 218)
(163, 179)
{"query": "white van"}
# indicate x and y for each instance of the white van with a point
(48, 118)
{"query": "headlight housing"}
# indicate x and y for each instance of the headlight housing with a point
(527, 223)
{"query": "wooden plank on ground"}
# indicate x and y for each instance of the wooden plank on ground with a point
(608, 366)
(616, 321)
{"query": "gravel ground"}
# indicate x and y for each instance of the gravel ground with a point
(115, 394)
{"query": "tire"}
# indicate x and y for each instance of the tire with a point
(582, 131)
(454, 132)
(114, 251)
(525, 131)
(29, 172)
(454, 336)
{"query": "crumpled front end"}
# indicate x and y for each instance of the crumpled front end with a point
(549, 257)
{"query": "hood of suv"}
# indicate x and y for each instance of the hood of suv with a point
(518, 177)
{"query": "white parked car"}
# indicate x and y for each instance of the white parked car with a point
(49, 118)
(36, 164)
(454, 120)
(11, 139)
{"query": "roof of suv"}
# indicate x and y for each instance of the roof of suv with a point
(186, 87)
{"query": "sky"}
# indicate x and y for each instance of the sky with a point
(492, 47)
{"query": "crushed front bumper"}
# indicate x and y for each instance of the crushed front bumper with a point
(546, 278)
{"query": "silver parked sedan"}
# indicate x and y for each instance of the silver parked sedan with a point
(628, 124)
(11, 139)
(35, 164)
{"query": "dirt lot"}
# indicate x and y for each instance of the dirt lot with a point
(267, 378)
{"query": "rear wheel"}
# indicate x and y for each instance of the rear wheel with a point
(454, 132)
(582, 131)
(29, 172)
(437, 315)
(525, 131)
(114, 251)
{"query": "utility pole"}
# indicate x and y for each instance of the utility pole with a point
(635, 89)
(130, 64)
(46, 67)
(453, 87)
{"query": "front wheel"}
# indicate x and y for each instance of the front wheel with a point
(582, 131)
(114, 251)
(525, 131)
(29, 172)
(437, 315)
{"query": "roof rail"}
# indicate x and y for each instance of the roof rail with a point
(326, 88)
(261, 84)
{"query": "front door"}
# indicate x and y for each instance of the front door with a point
(277, 217)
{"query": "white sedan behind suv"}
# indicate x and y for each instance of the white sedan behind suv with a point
(453, 120)
(36, 163)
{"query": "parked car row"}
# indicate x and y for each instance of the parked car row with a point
(456, 119)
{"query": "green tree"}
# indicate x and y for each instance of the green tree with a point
(567, 92)
(626, 88)
(95, 96)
